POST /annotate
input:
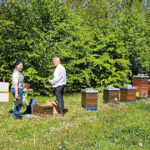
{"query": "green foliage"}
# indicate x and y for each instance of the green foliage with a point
(109, 57)
(134, 30)
(99, 42)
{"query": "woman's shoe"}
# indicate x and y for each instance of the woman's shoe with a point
(17, 116)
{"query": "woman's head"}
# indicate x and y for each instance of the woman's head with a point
(19, 64)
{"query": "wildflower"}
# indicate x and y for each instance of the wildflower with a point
(140, 144)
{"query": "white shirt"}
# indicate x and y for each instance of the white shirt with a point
(15, 78)
(59, 76)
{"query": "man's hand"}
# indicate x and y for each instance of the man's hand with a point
(50, 81)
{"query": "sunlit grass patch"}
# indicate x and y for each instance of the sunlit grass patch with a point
(125, 126)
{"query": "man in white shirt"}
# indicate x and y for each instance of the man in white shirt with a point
(59, 82)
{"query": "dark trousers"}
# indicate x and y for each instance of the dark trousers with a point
(59, 96)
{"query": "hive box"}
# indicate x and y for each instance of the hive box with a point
(89, 98)
(111, 95)
(128, 94)
(53, 104)
(42, 110)
(149, 88)
(141, 83)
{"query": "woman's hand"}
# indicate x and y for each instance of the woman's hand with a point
(16, 95)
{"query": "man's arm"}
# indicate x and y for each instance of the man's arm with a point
(56, 78)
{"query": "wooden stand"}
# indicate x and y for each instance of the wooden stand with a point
(141, 83)
(111, 95)
(89, 99)
(128, 94)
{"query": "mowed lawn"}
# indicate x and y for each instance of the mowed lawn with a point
(123, 127)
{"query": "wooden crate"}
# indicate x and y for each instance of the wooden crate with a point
(128, 94)
(53, 104)
(148, 88)
(141, 83)
(42, 110)
(111, 95)
(89, 98)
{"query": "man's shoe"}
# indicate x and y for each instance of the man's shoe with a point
(17, 116)
(61, 113)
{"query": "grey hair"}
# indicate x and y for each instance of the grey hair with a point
(56, 58)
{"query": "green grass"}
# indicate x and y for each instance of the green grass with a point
(123, 127)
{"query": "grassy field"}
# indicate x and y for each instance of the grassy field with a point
(123, 127)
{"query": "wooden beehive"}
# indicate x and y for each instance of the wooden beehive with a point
(111, 95)
(53, 104)
(141, 83)
(148, 88)
(89, 98)
(128, 94)
(42, 110)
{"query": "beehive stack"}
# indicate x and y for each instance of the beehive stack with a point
(141, 83)
(89, 99)
(148, 88)
(128, 94)
(111, 95)
(42, 110)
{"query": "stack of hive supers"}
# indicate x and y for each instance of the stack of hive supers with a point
(141, 83)
(148, 88)
(128, 94)
(89, 98)
(111, 95)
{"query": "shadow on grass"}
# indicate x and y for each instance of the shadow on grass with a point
(145, 107)
(131, 135)
(11, 111)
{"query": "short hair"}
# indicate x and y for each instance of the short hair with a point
(56, 58)
(19, 60)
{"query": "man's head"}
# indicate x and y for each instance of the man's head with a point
(56, 61)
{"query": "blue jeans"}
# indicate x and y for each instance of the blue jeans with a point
(17, 107)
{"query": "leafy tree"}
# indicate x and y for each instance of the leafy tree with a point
(99, 42)
(44, 29)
